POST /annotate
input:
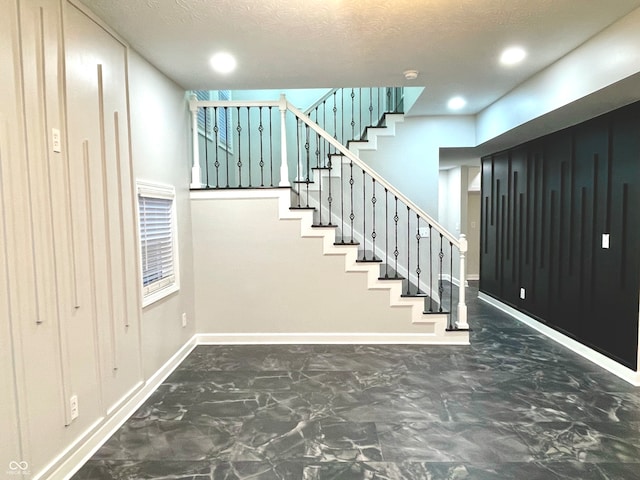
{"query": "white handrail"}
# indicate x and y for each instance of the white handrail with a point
(324, 98)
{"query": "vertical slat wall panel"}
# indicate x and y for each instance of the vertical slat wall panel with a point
(546, 205)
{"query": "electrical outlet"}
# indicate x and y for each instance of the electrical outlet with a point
(184, 320)
(423, 232)
(73, 404)
(523, 293)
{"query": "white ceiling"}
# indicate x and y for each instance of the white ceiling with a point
(282, 44)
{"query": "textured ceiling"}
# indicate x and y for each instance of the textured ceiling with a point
(455, 44)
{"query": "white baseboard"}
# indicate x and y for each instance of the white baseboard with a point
(599, 359)
(76, 455)
(324, 338)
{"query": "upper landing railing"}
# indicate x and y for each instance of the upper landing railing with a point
(242, 144)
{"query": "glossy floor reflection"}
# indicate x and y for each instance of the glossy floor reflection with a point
(513, 405)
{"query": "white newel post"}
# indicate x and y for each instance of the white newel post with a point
(462, 305)
(196, 173)
(284, 168)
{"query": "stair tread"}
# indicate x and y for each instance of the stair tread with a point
(367, 256)
(346, 243)
(324, 225)
(388, 273)
(414, 295)
(302, 208)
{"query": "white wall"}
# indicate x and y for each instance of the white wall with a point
(410, 160)
(254, 274)
(450, 205)
(607, 58)
(160, 131)
(70, 281)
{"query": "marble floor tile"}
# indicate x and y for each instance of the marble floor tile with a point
(452, 442)
(512, 405)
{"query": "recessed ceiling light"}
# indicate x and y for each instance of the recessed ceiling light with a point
(512, 55)
(410, 74)
(456, 103)
(223, 62)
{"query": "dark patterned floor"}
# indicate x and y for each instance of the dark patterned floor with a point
(513, 405)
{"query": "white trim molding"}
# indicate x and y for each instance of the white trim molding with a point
(78, 453)
(312, 338)
(599, 359)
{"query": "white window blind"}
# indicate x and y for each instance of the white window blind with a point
(156, 213)
(204, 95)
(224, 121)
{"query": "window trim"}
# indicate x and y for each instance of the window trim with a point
(156, 190)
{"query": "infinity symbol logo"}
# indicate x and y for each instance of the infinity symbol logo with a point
(13, 465)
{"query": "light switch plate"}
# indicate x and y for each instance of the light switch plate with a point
(55, 140)
(605, 240)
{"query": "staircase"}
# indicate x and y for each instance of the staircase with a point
(338, 199)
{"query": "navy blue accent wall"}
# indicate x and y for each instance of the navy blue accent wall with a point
(545, 206)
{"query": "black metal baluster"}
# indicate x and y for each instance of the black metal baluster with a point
(364, 217)
(351, 182)
(408, 251)
(373, 223)
(395, 251)
(299, 163)
(343, 117)
(371, 107)
(226, 147)
(418, 271)
(335, 123)
(261, 130)
(249, 142)
(440, 286)
(271, 144)
(386, 233)
(307, 148)
(329, 197)
(216, 133)
(389, 100)
(353, 114)
(360, 113)
(239, 130)
(324, 127)
(206, 144)
(430, 268)
(318, 173)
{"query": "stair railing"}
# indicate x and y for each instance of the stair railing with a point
(345, 193)
(347, 113)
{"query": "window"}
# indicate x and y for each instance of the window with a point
(207, 123)
(158, 241)
(204, 95)
(224, 122)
